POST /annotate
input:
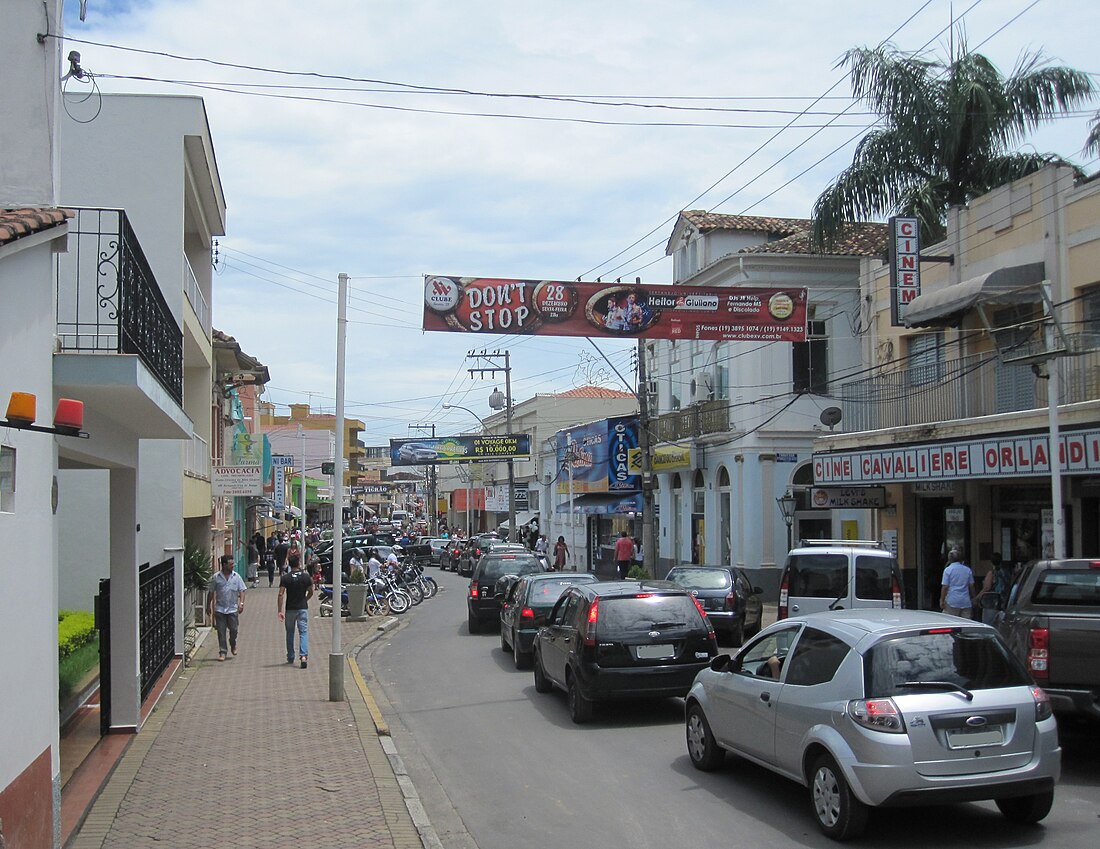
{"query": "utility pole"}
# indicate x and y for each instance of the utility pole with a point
(429, 478)
(497, 402)
(649, 553)
(336, 655)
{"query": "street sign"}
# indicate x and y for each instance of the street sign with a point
(282, 460)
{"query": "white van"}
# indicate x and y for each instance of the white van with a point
(838, 574)
(398, 518)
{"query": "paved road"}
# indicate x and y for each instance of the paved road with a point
(499, 765)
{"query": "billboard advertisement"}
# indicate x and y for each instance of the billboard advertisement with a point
(428, 450)
(603, 456)
(604, 310)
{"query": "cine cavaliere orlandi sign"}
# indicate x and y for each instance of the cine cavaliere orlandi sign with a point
(603, 310)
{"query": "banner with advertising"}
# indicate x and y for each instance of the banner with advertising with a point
(232, 481)
(429, 450)
(604, 310)
(604, 456)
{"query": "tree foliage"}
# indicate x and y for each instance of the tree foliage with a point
(948, 132)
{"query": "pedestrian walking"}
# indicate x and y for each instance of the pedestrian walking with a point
(253, 563)
(957, 587)
(561, 554)
(282, 549)
(225, 601)
(542, 545)
(624, 553)
(269, 564)
(295, 591)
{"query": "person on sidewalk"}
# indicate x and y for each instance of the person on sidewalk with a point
(957, 588)
(295, 591)
(253, 564)
(624, 553)
(225, 602)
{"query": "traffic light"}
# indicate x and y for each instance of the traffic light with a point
(328, 467)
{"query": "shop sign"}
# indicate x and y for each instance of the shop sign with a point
(282, 460)
(904, 253)
(229, 481)
(848, 497)
(671, 456)
(782, 457)
(1003, 456)
(934, 488)
(603, 456)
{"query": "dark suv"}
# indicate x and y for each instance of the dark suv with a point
(482, 604)
(622, 640)
(472, 551)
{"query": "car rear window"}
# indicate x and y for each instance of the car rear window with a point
(1068, 587)
(874, 577)
(968, 657)
(630, 616)
(701, 579)
(818, 575)
(546, 593)
(490, 568)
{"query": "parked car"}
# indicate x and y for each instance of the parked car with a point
(348, 544)
(1052, 625)
(832, 574)
(525, 604)
(879, 708)
(482, 603)
(426, 551)
(732, 603)
(622, 640)
(472, 551)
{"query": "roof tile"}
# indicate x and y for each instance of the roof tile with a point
(17, 223)
(593, 392)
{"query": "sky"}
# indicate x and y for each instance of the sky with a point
(389, 140)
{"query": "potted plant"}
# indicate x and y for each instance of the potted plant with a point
(357, 595)
(197, 571)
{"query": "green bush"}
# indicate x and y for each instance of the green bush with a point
(638, 573)
(73, 669)
(75, 629)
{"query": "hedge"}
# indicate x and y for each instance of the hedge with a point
(75, 629)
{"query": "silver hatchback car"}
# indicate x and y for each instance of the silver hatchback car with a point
(884, 707)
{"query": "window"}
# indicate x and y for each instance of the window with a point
(875, 577)
(976, 660)
(755, 659)
(810, 360)
(816, 658)
(925, 359)
(7, 479)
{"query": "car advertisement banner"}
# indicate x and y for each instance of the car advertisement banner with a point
(459, 449)
(604, 457)
(556, 308)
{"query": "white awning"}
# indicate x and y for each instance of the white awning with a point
(946, 307)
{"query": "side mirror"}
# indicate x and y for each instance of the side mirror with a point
(720, 663)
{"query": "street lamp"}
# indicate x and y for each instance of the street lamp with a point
(788, 503)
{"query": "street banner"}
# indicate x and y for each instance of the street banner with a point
(604, 456)
(425, 450)
(236, 480)
(556, 308)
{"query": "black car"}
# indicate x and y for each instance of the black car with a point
(348, 544)
(472, 551)
(622, 640)
(482, 604)
(732, 603)
(449, 557)
(526, 603)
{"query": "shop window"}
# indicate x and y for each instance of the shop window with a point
(7, 479)
(810, 360)
(925, 359)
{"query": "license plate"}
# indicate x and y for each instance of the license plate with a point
(655, 651)
(966, 738)
(715, 603)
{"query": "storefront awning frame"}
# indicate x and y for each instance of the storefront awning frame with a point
(946, 307)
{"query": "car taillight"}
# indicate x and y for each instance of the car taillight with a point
(473, 589)
(703, 613)
(527, 613)
(895, 592)
(1038, 653)
(784, 589)
(731, 600)
(590, 623)
(1043, 709)
(877, 714)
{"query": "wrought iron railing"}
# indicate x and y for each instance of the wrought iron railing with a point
(696, 420)
(108, 300)
(978, 385)
(156, 618)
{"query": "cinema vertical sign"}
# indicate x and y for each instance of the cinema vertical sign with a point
(904, 255)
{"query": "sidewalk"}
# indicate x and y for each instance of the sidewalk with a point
(251, 752)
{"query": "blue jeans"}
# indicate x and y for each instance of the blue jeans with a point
(297, 619)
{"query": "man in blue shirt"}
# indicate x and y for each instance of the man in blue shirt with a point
(957, 587)
(225, 601)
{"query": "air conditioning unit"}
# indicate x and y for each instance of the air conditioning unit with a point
(702, 387)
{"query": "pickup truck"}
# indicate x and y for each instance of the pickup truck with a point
(1052, 624)
(426, 551)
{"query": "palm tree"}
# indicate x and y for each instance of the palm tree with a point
(948, 134)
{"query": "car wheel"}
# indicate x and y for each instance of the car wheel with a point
(580, 707)
(542, 683)
(521, 659)
(472, 623)
(1026, 809)
(704, 752)
(839, 814)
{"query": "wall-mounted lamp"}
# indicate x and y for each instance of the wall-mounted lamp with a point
(67, 420)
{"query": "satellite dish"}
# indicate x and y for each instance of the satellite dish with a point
(830, 416)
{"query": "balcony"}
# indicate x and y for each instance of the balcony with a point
(109, 302)
(696, 420)
(196, 458)
(964, 388)
(194, 296)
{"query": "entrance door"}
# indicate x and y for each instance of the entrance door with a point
(930, 557)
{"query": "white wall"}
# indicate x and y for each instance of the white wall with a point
(83, 511)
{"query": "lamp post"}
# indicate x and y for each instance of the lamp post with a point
(470, 473)
(498, 401)
(788, 503)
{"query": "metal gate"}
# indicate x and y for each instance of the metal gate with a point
(156, 615)
(103, 625)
